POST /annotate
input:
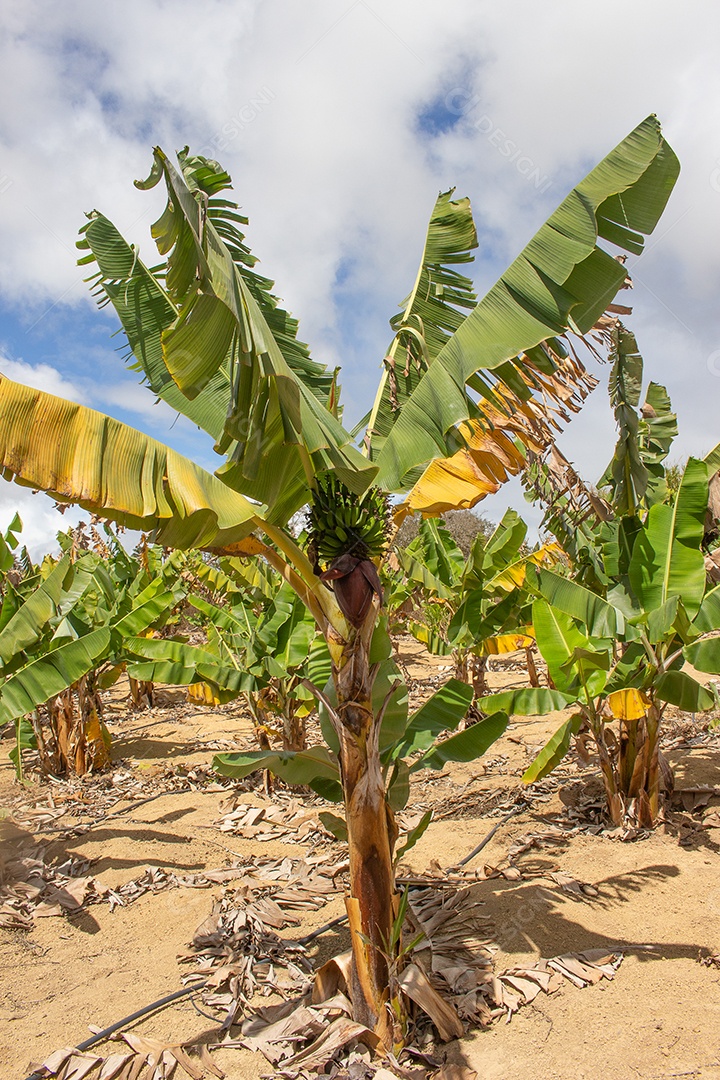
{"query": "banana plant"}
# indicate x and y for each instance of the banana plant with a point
(622, 659)
(466, 388)
(74, 622)
(260, 650)
(470, 609)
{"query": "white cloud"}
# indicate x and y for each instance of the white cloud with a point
(41, 521)
(41, 377)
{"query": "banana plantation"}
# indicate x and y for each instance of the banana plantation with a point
(331, 714)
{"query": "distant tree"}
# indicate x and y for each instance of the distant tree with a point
(463, 525)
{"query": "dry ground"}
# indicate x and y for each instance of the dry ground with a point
(657, 898)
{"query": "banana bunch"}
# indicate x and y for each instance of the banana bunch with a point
(343, 523)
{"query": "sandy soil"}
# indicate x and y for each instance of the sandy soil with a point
(657, 899)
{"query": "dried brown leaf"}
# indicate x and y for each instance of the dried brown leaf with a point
(338, 1034)
(332, 978)
(414, 983)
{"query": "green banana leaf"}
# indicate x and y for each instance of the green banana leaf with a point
(150, 606)
(441, 712)
(708, 616)
(528, 701)
(600, 619)
(704, 655)
(434, 643)
(397, 792)
(436, 549)
(414, 835)
(222, 618)
(465, 745)
(679, 688)
(658, 429)
(25, 739)
(145, 311)
(419, 573)
(502, 547)
(226, 682)
(277, 421)
(301, 767)
(662, 620)
(562, 279)
(667, 559)
(557, 639)
(632, 670)
(29, 622)
(554, 750)
(52, 673)
(626, 475)
(433, 311)
(8, 544)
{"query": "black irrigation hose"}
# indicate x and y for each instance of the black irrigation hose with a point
(108, 1031)
(322, 930)
(486, 840)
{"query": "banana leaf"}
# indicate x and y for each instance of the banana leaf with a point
(708, 616)
(25, 739)
(78, 455)
(430, 314)
(562, 279)
(145, 311)
(465, 745)
(277, 422)
(679, 688)
(704, 655)
(554, 750)
(502, 547)
(414, 835)
(29, 622)
(528, 701)
(52, 673)
(558, 637)
(626, 474)
(600, 619)
(8, 544)
(667, 559)
(149, 608)
(294, 767)
(441, 712)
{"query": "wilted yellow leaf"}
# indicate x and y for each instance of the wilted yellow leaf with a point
(506, 643)
(630, 704)
(459, 482)
(201, 693)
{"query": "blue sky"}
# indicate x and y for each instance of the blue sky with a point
(339, 124)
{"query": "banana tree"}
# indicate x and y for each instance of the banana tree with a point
(623, 659)
(477, 607)
(54, 641)
(466, 388)
(261, 650)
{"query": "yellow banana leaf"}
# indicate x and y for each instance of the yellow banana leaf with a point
(513, 576)
(494, 449)
(506, 643)
(80, 456)
(201, 693)
(628, 704)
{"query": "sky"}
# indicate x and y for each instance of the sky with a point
(339, 123)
